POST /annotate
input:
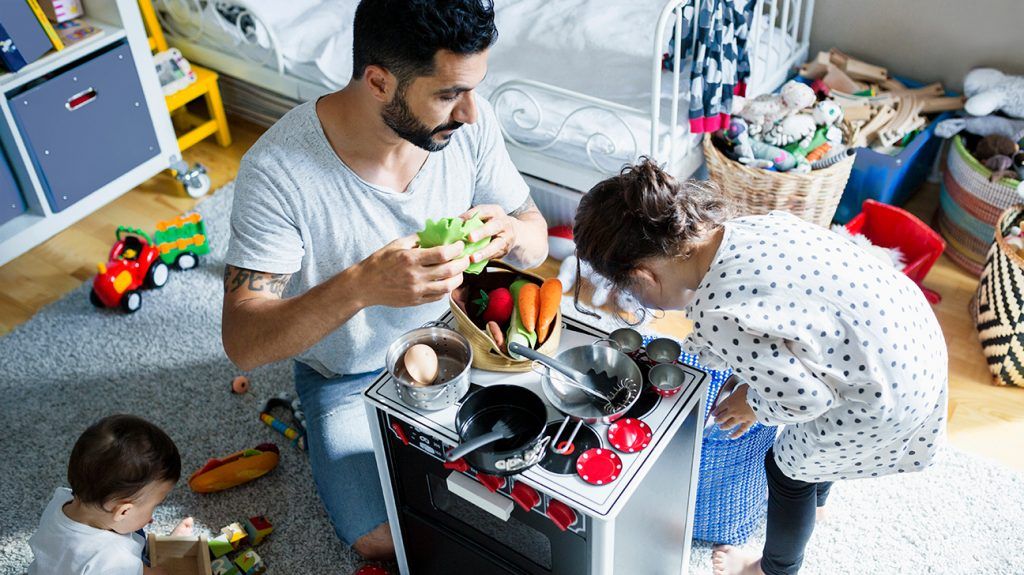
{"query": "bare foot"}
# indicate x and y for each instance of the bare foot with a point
(183, 528)
(729, 560)
(820, 515)
(376, 545)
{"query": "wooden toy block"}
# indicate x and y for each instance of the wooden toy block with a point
(862, 112)
(258, 528)
(855, 68)
(220, 545)
(944, 104)
(224, 566)
(236, 534)
(838, 80)
(868, 131)
(249, 563)
(180, 555)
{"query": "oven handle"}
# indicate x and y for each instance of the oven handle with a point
(494, 503)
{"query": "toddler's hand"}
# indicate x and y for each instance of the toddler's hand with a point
(733, 411)
(184, 527)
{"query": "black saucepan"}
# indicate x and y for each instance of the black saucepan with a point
(501, 429)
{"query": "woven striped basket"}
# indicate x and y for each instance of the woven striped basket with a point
(732, 490)
(998, 306)
(813, 196)
(970, 205)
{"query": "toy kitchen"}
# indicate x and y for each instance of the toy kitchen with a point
(606, 497)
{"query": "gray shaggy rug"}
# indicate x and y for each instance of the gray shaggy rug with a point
(72, 364)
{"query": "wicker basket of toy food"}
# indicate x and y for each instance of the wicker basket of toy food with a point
(970, 205)
(466, 305)
(813, 196)
(998, 305)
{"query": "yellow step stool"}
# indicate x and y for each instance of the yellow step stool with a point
(204, 86)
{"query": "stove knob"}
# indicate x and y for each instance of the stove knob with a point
(492, 482)
(526, 496)
(459, 465)
(399, 432)
(561, 514)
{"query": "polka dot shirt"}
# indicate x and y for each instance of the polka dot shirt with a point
(839, 348)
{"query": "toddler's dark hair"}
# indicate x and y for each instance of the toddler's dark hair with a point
(644, 212)
(118, 456)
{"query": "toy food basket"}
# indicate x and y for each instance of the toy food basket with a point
(891, 227)
(813, 196)
(486, 353)
(998, 305)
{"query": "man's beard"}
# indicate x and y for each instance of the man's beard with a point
(400, 119)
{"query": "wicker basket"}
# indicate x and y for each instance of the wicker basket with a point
(813, 196)
(970, 205)
(998, 306)
(486, 354)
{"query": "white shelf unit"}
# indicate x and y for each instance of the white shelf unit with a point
(121, 21)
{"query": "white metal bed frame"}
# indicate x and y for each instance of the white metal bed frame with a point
(675, 146)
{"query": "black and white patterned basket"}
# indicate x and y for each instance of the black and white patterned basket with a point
(998, 305)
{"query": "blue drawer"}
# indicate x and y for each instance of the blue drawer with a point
(86, 126)
(12, 203)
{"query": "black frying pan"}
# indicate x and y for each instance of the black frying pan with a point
(501, 428)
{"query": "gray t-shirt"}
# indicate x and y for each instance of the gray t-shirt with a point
(298, 209)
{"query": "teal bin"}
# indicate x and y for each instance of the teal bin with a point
(891, 179)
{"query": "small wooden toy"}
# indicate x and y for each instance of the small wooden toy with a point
(236, 534)
(235, 469)
(240, 385)
(295, 432)
(258, 528)
(224, 566)
(220, 545)
(185, 555)
(249, 563)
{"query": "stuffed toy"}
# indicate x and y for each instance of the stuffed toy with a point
(982, 126)
(1018, 165)
(891, 256)
(758, 154)
(995, 145)
(766, 110)
(988, 90)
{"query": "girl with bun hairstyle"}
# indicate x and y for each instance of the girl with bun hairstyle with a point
(840, 350)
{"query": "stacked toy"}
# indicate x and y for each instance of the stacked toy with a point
(232, 550)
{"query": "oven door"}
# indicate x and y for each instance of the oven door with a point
(442, 530)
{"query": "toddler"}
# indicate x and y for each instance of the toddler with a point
(120, 469)
(839, 349)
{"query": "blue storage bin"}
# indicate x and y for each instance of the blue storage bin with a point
(12, 203)
(891, 179)
(85, 126)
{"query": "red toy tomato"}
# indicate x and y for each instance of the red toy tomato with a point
(134, 263)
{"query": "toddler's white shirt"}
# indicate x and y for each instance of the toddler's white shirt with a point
(62, 546)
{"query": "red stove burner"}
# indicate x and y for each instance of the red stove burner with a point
(629, 435)
(599, 466)
(560, 464)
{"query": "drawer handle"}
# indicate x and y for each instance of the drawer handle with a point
(80, 99)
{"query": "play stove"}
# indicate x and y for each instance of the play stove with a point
(446, 518)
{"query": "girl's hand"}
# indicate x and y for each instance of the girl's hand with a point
(733, 411)
(183, 528)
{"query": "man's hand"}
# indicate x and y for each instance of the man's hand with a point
(733, 411)
(502, 228)
(402, 275)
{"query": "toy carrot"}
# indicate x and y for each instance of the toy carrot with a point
(550, 300)
(529, 300)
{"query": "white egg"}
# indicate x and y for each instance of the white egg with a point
(421, 363)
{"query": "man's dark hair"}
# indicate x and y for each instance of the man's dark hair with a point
(118, 456)
(402, 36)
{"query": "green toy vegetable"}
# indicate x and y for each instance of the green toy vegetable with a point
(516, 331)
(450, 230)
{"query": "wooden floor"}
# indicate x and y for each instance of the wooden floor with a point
(984, 420)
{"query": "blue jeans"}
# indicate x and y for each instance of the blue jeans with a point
(341, 451)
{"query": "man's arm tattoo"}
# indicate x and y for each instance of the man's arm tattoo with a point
(235, 278)
(527, 206)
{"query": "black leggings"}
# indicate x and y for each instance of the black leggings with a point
(791, 509)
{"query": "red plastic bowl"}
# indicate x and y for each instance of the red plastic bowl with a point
(629, 435)
(598, 466)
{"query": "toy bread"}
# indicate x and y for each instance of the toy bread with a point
(235, 469)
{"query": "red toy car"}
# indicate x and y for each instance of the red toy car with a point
(134, 263)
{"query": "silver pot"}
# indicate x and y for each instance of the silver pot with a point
(454, 358)
(580, 406)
